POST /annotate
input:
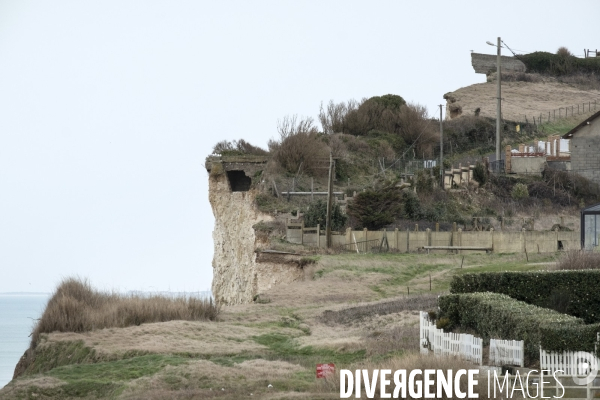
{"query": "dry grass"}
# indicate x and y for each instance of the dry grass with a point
(400, 338)
(578, 259)
(76, 307)
(191, 337)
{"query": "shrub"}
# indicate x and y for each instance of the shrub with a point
(541, 288)
(564, 52)
(573, 185)
(412, 205)
(237, 147)
(317, 214)
(480, 174)
(559, 64)
(519, 191)
(375, 208)
(470, 132)
(300, 149)
(495, 315)
(577, 259)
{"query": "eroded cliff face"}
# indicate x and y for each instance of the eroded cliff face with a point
(234, 261)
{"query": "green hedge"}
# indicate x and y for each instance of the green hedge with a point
(555, 64)
(495, 315)
(572, 292)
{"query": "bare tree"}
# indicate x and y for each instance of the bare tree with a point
(299, 148)
(291, 125)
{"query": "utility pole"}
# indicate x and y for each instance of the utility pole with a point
(498, 106)
(441, 150)
(329, 202)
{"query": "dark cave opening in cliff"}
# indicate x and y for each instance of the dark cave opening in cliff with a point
(238, 181)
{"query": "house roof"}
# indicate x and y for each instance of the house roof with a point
(595, 209)
(569, 134)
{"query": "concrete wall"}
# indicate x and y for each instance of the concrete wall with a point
(527, 165)
(413, 241)
(486, 63)
(584, 151)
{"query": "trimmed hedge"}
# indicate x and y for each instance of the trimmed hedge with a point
(574, 292)
(495, 315)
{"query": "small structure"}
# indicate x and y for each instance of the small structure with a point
(585, 142)
(590, 227)
(532, 159)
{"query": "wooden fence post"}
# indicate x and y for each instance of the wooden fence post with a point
(318, 236)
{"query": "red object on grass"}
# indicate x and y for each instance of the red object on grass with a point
(324, 370)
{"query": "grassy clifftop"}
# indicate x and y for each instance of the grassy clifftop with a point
(354, 312)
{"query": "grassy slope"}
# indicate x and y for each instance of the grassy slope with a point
(251, 346)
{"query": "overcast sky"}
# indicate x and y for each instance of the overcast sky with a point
(109, 108)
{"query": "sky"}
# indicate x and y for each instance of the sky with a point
(109, 108)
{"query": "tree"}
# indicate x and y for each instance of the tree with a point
(317, 214)
(375, 208)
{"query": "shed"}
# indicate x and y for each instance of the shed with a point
(590, 227)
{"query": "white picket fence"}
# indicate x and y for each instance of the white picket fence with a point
(466, 346)
(570, 362)
(507, 352)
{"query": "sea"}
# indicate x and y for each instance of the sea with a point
(18, 312)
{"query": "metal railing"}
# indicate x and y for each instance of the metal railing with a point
(363, 246)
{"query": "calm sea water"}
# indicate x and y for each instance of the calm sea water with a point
(17, 315)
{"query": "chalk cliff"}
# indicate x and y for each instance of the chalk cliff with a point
(239, 271)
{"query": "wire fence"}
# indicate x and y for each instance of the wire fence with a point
(559, 113)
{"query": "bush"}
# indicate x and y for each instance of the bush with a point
(559, 64)
(519, 191)
(300, 149)
(237, 147)
(480, 173)
(578, 288)
(573, 185)
(495, 315)
(578, 259)
(412, 205)
(317, 214)
(375, 208)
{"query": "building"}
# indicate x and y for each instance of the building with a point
(585, 148)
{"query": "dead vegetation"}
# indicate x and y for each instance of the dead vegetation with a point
(578, 259)
(76, 307)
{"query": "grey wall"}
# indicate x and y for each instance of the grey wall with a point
(486, 63)
(585, 151)
(527, 165)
